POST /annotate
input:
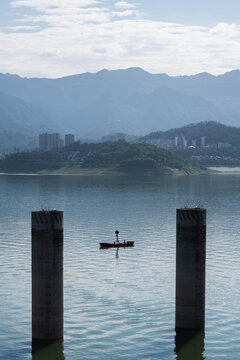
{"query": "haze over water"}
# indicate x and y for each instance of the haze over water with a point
(120, 305)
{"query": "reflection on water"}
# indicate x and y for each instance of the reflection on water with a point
(42, 350)
(189, 345)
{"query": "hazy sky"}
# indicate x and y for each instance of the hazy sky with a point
(54, 38)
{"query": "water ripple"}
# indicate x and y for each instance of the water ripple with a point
(120, 305)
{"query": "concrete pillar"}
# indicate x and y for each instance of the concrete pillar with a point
(189, 344)
(47, 275)
(190, 268)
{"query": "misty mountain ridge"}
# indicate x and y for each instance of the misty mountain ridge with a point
(20, 116)
(131, 101)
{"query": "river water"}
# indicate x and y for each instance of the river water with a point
(120, 305)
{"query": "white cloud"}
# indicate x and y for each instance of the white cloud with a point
(73, 36)
(124, 5)
(123, 13)
(43, 5)
(23, 27)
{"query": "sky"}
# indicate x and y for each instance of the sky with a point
(54, 38)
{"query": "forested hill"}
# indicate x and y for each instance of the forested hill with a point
(118, 156)
(214, 132)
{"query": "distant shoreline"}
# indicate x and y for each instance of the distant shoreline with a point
(225, 169)
(76, 171)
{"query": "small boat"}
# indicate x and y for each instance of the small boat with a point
(116, 244)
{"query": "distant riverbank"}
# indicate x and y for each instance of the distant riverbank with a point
(79, 171)
(225, 169)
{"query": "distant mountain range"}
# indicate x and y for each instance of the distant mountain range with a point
(131, 101)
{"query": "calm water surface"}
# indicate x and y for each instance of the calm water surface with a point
(120, 305)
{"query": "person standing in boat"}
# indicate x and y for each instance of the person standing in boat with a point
(117, 232)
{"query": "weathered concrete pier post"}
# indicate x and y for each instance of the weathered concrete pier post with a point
(190, 268)
(47, 275)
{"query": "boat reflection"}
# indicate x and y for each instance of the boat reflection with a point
(189, 345)
(46, 350)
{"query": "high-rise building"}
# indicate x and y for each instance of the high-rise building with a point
(69, 139)
(49, 141)
(55, 141)
(202, 141)
(176, 140)
(44, 142)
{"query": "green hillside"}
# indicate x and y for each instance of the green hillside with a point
(118, 156)
(214, 132)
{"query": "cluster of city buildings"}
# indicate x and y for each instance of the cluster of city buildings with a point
(180, 143)
(53, 141)
(215, 160)
(220, 145)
